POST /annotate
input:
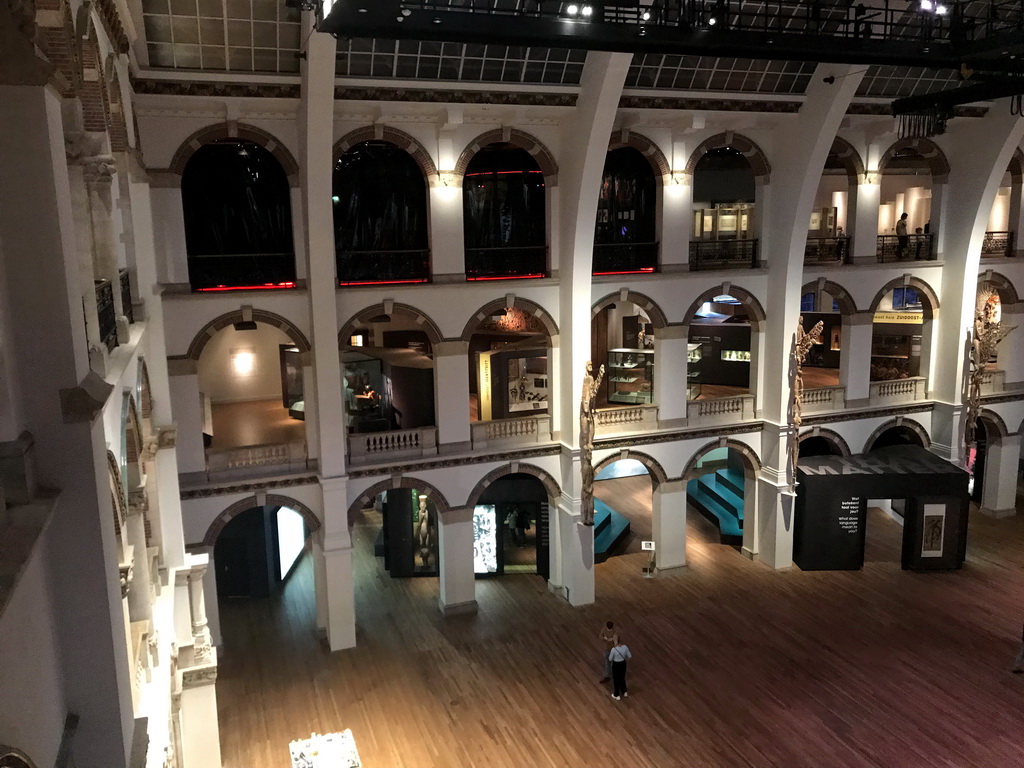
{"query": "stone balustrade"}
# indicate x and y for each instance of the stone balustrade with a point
(396, 444)
(897, 391)
(824, 399)
(506, 433)
(248, 459)
(720, 410)
(627, 420)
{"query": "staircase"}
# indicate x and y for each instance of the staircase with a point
(610, 529)
(719, 497)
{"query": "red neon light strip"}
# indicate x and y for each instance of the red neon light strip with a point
(640, 271)
(508, 277)
(264, 287)
(384, 282)
(497, 173)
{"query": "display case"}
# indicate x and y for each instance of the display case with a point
(694, 354)
(630, 376)
(736, 355)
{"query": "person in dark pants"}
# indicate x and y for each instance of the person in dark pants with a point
(619, 655)
(611, 638)
(902, 238)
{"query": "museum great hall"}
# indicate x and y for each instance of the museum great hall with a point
(323, 325)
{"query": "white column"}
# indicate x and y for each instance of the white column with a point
(670, 374)
(169, 234)
(451, 395)
(447, 237)
(188, 417)
(140, 607)
(676, 222)
(341, 599)
(200, 732)
(978, 152)
(939, 209)
(458, 581)
(999, 492)
(172, 535)
(864, 245)
(855, 358)
(61, 401)
(585, 143)
(1015, 218)
(202, 648)
(298, 230)
(668, 518)
(86, 270)
(320, 581)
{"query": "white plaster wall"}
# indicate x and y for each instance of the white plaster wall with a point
(218, 377)
(33, 708)
(198, 514)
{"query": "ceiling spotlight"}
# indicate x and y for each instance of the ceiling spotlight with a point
(437, 19)
(712, 21)
(573, 9)
(646, 16)
(587, 10)
(406, 12)
(926, 5)
(941, 10)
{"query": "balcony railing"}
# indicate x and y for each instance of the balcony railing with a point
(827, 250)
(126, 295)
(919, 248)
(628, 420)
(625, 258)
(897, 391)
(377, 267)
(824, 399)
(106, 313)
(723, 254)
(720, 410)
(241, 271)
(389, 446)
(506, 263)
(257, 459)
(997, 245)
(506, 433)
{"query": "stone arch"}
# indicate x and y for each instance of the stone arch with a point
(993, 419)
(118, 497)
(402, 481)
(831, 436)
(654, 468)
(753, 460)
(498, 305)
(927, 149)
(1001, 285)
(512, 468)
(400, 139)
(728, 140)
(364, 317)
(208, 331)
(270, 500)
(849, 158)
(847, 306)
(910, 281)
(143, 390)
(14, 758)
(645, 303)
(899, 421)
(627, 138)
(755, 311)
(235, 130)
(1016, 166)
(545, 160)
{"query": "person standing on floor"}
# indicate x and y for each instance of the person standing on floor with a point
(902, 238)
(610, 638)
(1018, 663)
(619, 655)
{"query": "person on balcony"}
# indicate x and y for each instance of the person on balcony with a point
(902, 238)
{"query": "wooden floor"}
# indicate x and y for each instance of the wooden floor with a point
(254, 422)
(734, 664)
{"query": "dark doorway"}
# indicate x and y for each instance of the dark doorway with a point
(257, 550)
(512, 535)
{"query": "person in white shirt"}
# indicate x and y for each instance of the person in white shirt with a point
(618, 655)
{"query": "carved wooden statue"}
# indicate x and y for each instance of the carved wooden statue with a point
(590, 387)
(804, 343)
(988, 332)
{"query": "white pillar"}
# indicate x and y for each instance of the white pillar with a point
(864, 246)
(447, 238)
(320, 581)
(341, 599)
(1002, 462)
(457, 577)
(188, 417)
(855, 358)
(172, 535)
(169, 234)
(200, 731)
(676, 222)
(670, 374)
(668, 518)
(451, 395)
(939, 209)
(1016, 215)
(202, 648)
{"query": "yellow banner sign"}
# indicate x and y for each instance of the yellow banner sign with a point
(907, 318)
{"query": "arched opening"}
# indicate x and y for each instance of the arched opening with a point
(250, 377)
(623, 501)
(884, 537)
(622, 339)
(827, 238)
(900, 336)
(403, 526)
(724, 227)
(509, 362)
(821, 368)
(896, 435)
(504, 214)
(720, 349)
(1004, 219)
(717, 487)
(388, 375)
(238, 221)
(625, 237)
(819, 445)
(908, 183)
(14, 758)
(380, 216)
(510, 527)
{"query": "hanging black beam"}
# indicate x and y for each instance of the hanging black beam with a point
(989, 90)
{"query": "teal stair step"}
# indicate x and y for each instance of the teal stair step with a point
(732, 480)
(610, 529)
(713, 486)
(728, 521)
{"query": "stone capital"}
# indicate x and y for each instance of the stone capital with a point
(99, 169)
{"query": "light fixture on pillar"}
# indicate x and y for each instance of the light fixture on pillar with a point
(246, 323)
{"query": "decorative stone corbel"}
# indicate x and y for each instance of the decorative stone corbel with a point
(127, 575)
(81, 404)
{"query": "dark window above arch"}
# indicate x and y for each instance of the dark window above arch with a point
(504, 207)
(238, 222)
(625, 230)
(723, 176)
(380, 216)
